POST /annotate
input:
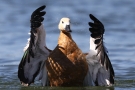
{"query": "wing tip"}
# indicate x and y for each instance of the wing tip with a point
(93, 17)
(97, 28)
(42, 7)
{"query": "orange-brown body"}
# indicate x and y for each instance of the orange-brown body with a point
(66, 64)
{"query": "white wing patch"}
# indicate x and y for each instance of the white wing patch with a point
(27, 45)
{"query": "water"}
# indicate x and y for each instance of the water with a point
(117, 17)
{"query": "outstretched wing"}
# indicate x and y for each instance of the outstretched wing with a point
(36, 19)
(29, 67)
(97, 30)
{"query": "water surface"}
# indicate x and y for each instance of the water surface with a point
(117, 17)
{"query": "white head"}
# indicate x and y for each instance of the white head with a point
(64, 25)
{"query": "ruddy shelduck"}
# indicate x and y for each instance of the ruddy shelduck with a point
(66, 64)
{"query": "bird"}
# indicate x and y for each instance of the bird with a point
(66, 64)
(32, 64)
(100, 70)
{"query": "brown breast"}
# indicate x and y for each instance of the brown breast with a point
(66, 64)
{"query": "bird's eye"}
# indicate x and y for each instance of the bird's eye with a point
(62, 22)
